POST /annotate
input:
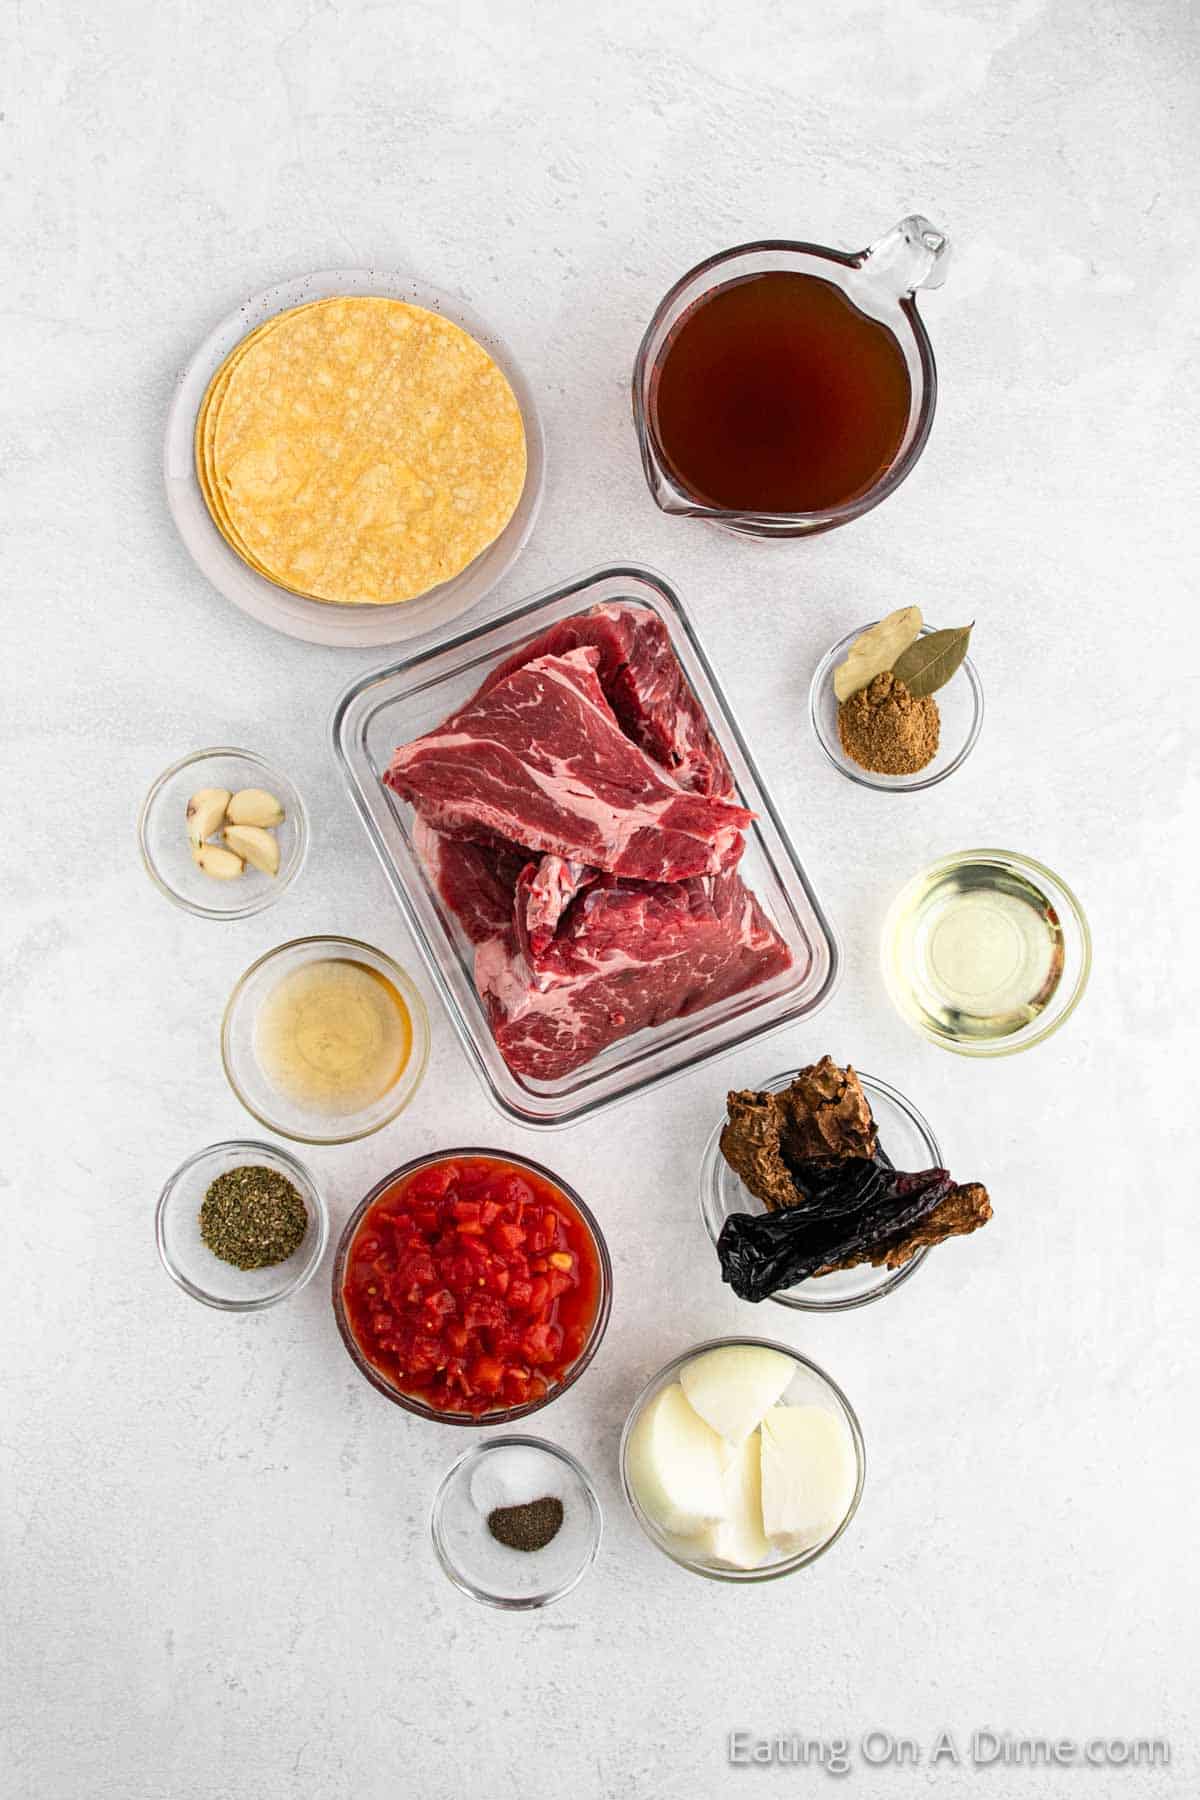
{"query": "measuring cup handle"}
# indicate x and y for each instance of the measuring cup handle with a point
(914, 254)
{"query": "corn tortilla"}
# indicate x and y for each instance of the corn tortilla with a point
(360, 450)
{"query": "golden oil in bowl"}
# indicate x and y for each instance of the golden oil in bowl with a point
(333, 1035)
(974, 950)
(325, 1039)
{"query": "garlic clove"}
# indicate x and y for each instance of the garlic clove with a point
(254, 806)
(254, 845)
(205, 813)
(221, 864)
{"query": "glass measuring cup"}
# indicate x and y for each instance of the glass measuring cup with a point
(882, 282)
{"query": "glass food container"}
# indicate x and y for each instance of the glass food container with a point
(882, 282)
(304, 1119)
(411, 1402)
(189, 1261)
(907, 1139)
(809, 1385)
(960, 715)
(167, 851)
(986, 952)
(515, 1580)
(399, 702)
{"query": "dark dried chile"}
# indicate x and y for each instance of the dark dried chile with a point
(849, 1206)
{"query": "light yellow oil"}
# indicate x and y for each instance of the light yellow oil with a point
(333, 1035)
(976, 951)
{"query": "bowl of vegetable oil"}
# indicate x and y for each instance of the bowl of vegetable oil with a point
(325, 1040)
(986, 952)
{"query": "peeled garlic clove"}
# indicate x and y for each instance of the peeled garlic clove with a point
(254, 806)
(205, 813)
(253, 845)
(222, 865)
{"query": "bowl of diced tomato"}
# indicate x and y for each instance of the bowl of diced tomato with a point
(472, 1287)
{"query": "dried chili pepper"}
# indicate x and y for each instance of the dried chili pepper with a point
(849, 1206)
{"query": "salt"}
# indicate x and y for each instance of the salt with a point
(513, 1475)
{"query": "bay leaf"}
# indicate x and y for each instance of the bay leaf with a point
(875, 650)
(929, 663)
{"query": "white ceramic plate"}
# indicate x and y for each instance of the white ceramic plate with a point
(315, 621)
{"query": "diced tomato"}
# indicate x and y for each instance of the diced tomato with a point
(514, 1190)
(427, 1352)
(415, 1269)
(542, 1342)
(520, 1295)
(484, 1312)
(437, 1307)
(472, 1284)
(434, 1179)
(459, 1273)
(486, 1374)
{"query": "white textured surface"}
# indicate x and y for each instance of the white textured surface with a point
(217, 1577)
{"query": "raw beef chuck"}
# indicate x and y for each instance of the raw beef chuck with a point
(645, 686)
(540, 759)
(628, 956)
(575, 818)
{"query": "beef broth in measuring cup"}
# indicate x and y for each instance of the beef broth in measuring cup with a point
(783, 388)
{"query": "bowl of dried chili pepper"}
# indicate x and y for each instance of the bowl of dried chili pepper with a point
(854, 1226)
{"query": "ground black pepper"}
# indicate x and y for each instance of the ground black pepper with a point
(253, 1218)
(528, 1527)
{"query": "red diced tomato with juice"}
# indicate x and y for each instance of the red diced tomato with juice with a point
(472, 1284)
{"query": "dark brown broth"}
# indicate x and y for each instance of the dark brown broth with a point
(776, 394)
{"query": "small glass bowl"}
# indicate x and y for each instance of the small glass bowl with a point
(291, 1119)
(808, 1384)
(960, 706)
(167, 853)
(515, 1580)
(191, 1264)
(909, 1142)
(1069, 989)
(502, 1415)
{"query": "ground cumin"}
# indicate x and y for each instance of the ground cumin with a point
(884, 729)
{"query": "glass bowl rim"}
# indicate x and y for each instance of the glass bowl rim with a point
(1026, 865)
(319, 1212)
(277, 885)
(476, 1453)
(787, 1565)
(418, 1013)
(409, 1403)
(796, 523)
(890, 784)
(890, 1279)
